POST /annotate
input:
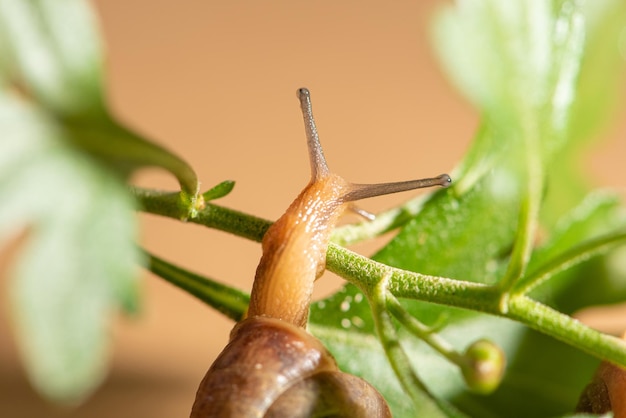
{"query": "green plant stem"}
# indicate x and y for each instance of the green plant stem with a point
(363, 271)
(229, 301)
(570, 258)
(212, 216)
(422, 331)
(383, 222)
(529, 215)
(400, 363)
(567, 329)
(391, 343)
(366, 273)
(355, 268)
(521, 248)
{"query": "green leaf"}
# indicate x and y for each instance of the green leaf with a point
(601, 74)
(602, 69)
(518, 60)
(79, 262)
(362, 355)
(443, 239)
(218, 191)
(463, 234)
(55, 52)
(55, 60)
(539, 69)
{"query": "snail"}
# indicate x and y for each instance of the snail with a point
(272, 367)
(605, 392)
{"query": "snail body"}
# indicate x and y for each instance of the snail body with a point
(272, 367)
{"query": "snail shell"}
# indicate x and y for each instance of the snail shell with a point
(273, 369)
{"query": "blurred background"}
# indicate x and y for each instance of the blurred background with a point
(215, 82)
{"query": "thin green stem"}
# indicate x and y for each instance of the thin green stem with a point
(227, 300)
(383, 222)
(365, 273)
(567, 329)
(574, 256)
(400, 363)
(353, 267)
(422, 331)
(212, 216)
(391, 343)
(525, 236)
(522, 245)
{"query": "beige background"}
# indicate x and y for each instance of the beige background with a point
(215, 82)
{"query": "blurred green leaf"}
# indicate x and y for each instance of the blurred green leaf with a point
(535, 68)
(218, 191)
(601, 75)
(517, 61)
(54, 52)
(602, 70)
(79, 262)
(54, 59)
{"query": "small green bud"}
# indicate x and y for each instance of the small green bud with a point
(483, 366)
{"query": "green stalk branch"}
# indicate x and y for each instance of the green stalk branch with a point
(422, 331)
(365, 273)
(227, 300)
(212, 216)
(400, 363)
(567, 329)
(521, 248)
(574, 256)
(528, 218)
(383, 222)
(362, 271)
(353, 267)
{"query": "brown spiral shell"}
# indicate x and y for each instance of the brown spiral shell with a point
(273, 369)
